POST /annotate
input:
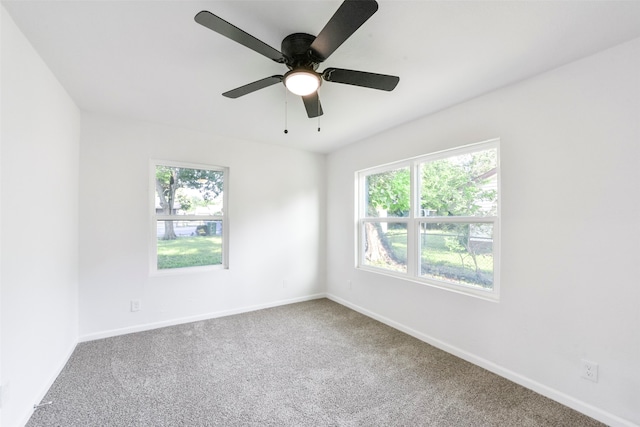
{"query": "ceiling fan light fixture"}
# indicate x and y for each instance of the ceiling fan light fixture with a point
(302, 82)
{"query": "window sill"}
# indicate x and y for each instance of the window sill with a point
(187, 270)
(487, 295)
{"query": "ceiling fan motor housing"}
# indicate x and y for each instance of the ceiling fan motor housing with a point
(296, 49)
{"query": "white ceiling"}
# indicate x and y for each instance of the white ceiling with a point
(149, 60)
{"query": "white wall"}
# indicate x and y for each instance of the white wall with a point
(570, 234)
(276, 208)
(40, 151)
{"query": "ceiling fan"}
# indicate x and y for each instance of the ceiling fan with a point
(302, 53)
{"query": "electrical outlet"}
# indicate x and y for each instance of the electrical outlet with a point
(135, 305)
(284, 284)
(349, 285)
(589, 370)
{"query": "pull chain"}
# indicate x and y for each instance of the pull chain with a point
(286, 112)
(286, 131)
(318, 112)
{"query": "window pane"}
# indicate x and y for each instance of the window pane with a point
(387, 193)
(189, 243)
(185, 191)
(386, 245)
(460, 253)
(463, 185)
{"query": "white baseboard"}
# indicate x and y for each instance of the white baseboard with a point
(558, 396)
(189, 319)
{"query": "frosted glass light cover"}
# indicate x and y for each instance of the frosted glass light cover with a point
(302, 82)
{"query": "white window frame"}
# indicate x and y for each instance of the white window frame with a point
(155, 217)
(414, 219)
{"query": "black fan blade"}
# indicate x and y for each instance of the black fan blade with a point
(361, 78)
(312, 104)
(252, 87)
(348, 18)
(221, 26)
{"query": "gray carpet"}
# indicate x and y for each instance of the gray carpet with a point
(315, 363)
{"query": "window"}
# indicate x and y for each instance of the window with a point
(189, 221)
(434, 219)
